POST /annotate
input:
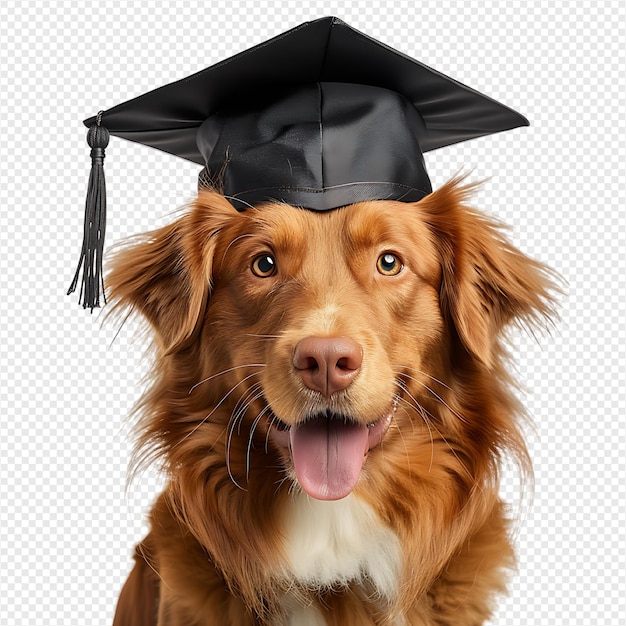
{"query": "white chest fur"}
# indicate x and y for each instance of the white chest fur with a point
(329, 544)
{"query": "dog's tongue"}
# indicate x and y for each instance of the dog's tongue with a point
(328, 455)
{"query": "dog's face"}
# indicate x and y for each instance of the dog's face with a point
(329, 315)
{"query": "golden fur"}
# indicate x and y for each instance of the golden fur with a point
(431, 338)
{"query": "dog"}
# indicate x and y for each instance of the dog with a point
(331, 405)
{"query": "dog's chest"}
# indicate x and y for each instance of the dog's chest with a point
(330, 544)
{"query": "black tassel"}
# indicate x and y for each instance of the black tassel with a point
(95, 223)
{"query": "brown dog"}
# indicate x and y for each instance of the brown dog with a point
(331, 406)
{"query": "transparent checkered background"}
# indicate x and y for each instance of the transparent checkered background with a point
(66, 525)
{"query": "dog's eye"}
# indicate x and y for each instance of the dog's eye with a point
(264, 265)
(389, 264)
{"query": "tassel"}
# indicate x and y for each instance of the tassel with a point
(95, 222)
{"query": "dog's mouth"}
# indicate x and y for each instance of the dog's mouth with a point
(328, 450)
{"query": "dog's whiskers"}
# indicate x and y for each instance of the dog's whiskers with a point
(425, 418)
(217, 406)
(257, 419)
(270, 425)
(423, 373)
(433, 392)
(223, 372)
(429, 421)
(244, 402)
(272, 422)
(397, 400)
(252, 395)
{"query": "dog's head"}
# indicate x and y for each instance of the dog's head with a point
(342, 344)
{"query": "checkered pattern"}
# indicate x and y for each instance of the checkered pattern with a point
(67, 383)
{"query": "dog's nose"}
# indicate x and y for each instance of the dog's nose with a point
(327, 364)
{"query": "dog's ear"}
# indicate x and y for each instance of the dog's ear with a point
(166, 274)
(486, 282)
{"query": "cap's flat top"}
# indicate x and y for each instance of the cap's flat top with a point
(323, 50)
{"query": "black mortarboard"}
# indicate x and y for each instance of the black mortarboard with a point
(319, 117)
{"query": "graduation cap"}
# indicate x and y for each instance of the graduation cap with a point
(319, 117)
